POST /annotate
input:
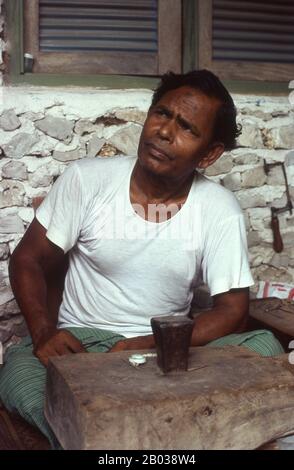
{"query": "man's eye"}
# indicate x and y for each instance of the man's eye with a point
(186, 127)
(161, 112)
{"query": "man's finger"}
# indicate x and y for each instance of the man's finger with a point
(68, 346)
(119, 346)
(76, 346)
(44, 358)
(62, 349)
(73, 344)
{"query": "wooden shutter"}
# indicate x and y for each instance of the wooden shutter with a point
(103, 36)
(247, 39)
(71, 25)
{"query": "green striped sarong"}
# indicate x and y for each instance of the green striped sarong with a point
(262, 342)
(23, 377)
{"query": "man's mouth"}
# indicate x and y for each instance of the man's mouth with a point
(156, 152)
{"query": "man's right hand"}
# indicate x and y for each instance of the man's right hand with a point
(33, 260)
(56, 343)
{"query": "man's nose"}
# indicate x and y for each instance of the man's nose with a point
(167, 130)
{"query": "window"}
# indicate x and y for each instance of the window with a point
(98, 36)
(248, 40)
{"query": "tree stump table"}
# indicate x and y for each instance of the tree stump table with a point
(229, 398)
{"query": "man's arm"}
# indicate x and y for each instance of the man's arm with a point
(33, 259)
(228, 315)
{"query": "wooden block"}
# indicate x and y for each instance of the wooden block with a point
(274, 313)
(229, 398)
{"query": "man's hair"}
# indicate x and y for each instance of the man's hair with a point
(225, 127)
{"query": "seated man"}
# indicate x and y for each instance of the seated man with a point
(141, 233)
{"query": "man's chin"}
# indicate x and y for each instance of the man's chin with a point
(155, 166)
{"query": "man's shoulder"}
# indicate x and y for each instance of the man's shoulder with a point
(97, 164)
(215, 198)
(102, 171)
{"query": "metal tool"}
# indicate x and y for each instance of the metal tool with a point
(278, 242)
(172, 336)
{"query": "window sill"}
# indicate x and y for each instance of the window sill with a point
(99, 81)
(254, 87)
(128, 82)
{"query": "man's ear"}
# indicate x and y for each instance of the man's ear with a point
(214, 151)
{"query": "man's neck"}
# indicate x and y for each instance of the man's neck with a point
(159, 189)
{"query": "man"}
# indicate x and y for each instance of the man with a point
(140, 234)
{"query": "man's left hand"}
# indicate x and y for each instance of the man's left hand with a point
(139, 342)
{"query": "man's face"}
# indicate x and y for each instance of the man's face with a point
(177, 134)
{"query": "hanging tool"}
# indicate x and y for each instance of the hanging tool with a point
(278, 242)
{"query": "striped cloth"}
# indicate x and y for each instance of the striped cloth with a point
(23, 377)
(262, 342)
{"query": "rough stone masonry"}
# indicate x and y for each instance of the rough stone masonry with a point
(43, 129)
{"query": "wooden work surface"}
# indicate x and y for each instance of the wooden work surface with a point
(275, 313)
(229, 399)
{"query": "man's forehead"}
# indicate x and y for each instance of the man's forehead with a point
(188, 97)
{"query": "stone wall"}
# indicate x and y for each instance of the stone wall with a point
(268, 134)
(2, 44)
(42, 130)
